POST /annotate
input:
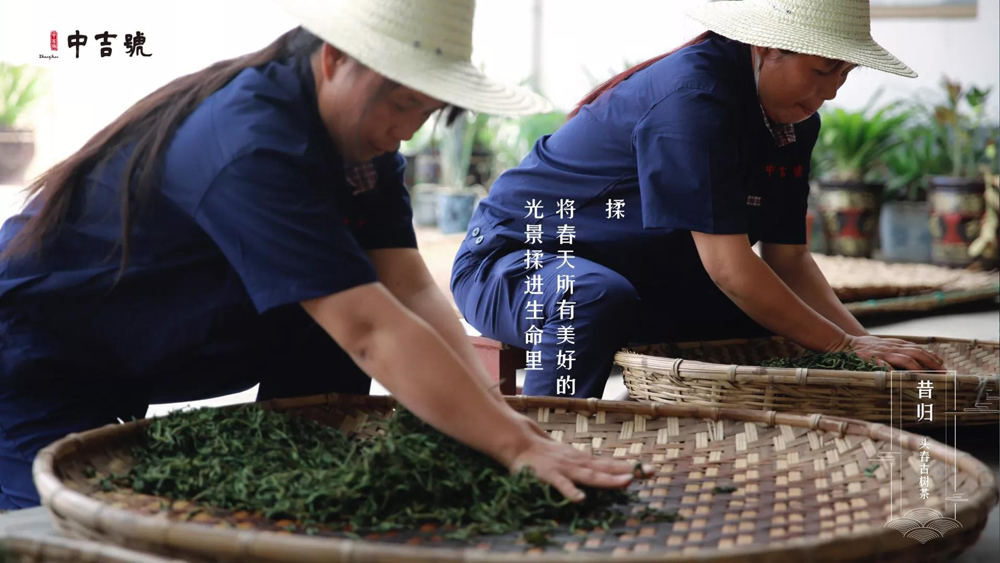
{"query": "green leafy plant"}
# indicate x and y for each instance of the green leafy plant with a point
(515, 137)
(963, 131)
(506, 139)
(19, 90)
(457, 145)
(911, 164)
(407, 476)
(831, 360)
(853, 143)
(992, 150)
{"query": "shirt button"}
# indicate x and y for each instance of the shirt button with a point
(479, 239)
(475, 232)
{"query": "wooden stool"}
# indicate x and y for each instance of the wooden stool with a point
(501, 360)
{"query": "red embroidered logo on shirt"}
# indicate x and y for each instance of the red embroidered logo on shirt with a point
(797, 171)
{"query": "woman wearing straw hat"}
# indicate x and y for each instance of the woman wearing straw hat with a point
(264, 235)
(634, 222)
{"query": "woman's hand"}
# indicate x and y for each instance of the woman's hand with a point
(893, 352)
(399, 349)
(563, 466)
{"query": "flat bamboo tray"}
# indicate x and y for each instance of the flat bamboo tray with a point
(801, 491)
(928, 286)
(727, 373)
(34, 549)
(925, 302)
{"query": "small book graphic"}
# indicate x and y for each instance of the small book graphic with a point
(923, 524)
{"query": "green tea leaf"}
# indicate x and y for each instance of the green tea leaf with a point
(407, 476)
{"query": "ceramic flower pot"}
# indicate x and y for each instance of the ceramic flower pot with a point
(904, 231)
(454, 210)
(424, 200)
(815, 237)
(957, 206)
(850, 217)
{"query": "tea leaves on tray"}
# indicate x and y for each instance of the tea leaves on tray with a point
(849, 361)
(289, 467)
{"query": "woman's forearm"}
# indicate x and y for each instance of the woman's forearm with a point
(401, 351)
(431, 305)
(762, 295)
(804, 277)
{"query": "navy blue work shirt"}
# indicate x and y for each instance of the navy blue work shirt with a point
(683, 143)
(251, 215)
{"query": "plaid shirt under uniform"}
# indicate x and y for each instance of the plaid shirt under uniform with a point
(783, 133)
(362, 176)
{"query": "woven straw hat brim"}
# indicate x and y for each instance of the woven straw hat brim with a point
(744, 22)
(445, 76)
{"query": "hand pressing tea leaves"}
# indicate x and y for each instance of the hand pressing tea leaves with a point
(849, 361)
(407, 476)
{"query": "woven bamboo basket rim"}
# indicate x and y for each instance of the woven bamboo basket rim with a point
(225, 544)
(924, 302)
(43, 549)
(736, 373)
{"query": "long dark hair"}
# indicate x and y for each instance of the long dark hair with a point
(149, 125)
(623, 76)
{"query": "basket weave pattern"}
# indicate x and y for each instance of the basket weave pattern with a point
(856, 279)
(801, 490)
(728, 374)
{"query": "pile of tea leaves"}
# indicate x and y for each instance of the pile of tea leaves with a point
(408, 475)
(849, 361)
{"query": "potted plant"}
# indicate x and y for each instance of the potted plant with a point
(815, 232)
(957, 203)
(514, 138)
(478, 149)
(423, 173)
(457, 197)
(853, 144)
(19, 90)
(986, 247)
(904, 231)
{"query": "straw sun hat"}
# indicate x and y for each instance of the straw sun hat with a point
(425, 45)
(835, 29)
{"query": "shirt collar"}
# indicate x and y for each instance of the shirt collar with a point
(782, 133)
(362, 176)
